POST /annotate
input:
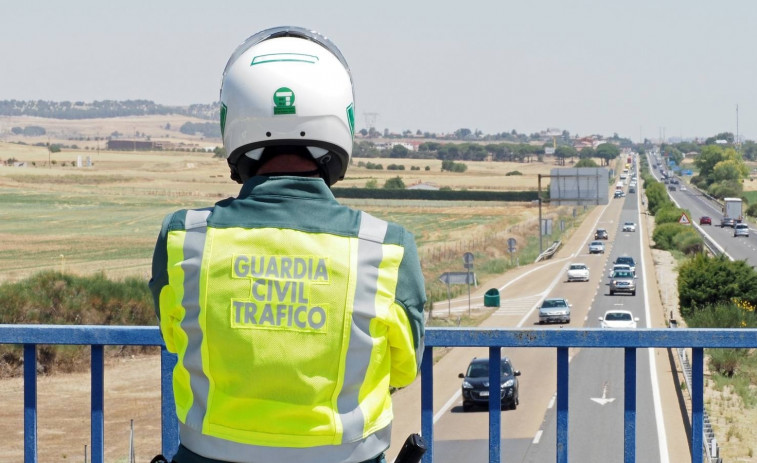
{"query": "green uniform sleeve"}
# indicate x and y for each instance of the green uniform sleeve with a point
(411, 295)
(159, 277)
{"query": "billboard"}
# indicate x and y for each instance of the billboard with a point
(579, 186)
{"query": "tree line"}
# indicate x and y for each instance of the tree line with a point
(505, 152)
(103, 109)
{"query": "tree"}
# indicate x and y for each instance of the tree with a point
(453, 166)
(462, 134)
(729, 169)
(707, 159)
(749, 150)
(565, 151)
(727, 136)
(607, 152)
(398, 151)
(394, 183)
(587, 152)
(586, 162)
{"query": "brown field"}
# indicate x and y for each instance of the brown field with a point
(114, 207)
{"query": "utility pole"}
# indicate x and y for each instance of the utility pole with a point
(737, 126)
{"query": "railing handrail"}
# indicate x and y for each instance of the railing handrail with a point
(695, 338)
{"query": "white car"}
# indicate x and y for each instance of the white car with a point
(596, 247)
(629, 227)
(578, 272)
(618, 319)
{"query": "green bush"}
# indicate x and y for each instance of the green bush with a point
(61, 299)
(664, 235)
(657, 197)
(688, 241)
(668, 213)
(725, 315)
(752, 210)
(705, 281)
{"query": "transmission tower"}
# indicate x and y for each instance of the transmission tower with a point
(370, 122)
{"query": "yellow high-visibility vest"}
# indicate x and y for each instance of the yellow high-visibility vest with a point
(287, 339)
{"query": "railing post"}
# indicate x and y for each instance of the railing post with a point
(563, 365)
(629, 406)
(98, 400)
(697, 403)
(170, 424)
(30, 403)
(427, 403)
(495, 403)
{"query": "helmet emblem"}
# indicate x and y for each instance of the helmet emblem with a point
(283, 101)
(351, 118)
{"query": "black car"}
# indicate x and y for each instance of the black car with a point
(476, 384)
(601, 234)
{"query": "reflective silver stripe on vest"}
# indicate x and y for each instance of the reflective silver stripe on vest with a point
(226, 450)
(369, 256)
(194, 243)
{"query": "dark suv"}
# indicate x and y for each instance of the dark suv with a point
(728, 222)
(627, 260)
(476, 384)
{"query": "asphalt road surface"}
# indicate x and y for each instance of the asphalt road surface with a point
(595, 426)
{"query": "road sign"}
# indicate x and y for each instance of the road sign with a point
(684, 220)
(511, 244)
(468, 260)
(458, 278)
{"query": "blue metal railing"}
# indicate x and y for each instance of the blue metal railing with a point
(562, 340)
(98, 337)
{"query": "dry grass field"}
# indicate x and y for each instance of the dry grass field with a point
(104, 217)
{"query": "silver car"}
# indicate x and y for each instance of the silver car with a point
(741, 229)
(623, 281)
(554, 309)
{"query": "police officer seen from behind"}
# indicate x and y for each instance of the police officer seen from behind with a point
(291, 314)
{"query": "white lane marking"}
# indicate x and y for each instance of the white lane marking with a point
(523, 320)
(447, 405)
(661, 434)
(552, 402)
(537, 437)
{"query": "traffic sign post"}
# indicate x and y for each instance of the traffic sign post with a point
(468, 264)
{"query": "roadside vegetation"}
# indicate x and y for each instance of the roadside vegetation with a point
(714, 292)
(63, 299)
(669, 234)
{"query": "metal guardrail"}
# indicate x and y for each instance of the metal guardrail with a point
(710, 443)
(549, 252)
(495, 339)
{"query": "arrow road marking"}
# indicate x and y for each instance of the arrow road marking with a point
(603, 400)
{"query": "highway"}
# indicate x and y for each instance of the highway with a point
(596, 375)
(700, 205)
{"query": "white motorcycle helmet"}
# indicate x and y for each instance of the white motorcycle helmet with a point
(288, 87)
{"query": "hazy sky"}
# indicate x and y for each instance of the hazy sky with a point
(637, 68)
